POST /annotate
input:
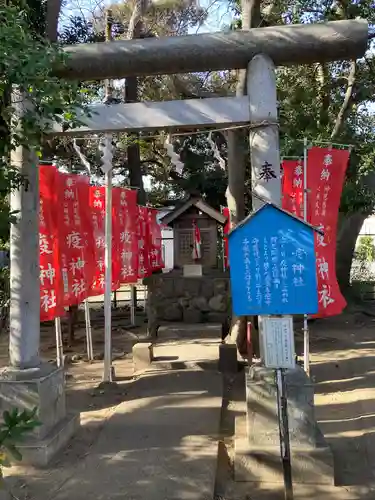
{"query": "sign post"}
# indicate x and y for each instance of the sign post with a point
(282, 411)
(273, 274)
(278, 348)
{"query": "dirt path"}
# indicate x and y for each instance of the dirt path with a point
(343, 357)
(343, 368)
(344, 373)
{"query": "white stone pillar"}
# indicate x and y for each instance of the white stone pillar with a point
(264, 137)
(24, 335)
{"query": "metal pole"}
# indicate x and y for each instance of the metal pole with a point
(107, 167)
(59, 343)
(282, 407)
(133, 292)
(107, 376)
(90, 351)
(306, 335)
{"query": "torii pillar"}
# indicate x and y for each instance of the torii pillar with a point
(257, 450)
(29, 382)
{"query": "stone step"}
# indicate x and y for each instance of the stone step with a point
(39, 452)
(257, 463)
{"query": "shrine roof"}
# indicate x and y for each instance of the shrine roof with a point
(268, 203)
(200, 205)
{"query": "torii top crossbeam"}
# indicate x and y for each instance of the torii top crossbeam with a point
(285, 45)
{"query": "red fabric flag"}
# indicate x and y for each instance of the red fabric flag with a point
(51, 284)
(293, 187)
(144, 266)
(325, 178)
(97, 212)
(156, 254)
(125, 217)
(226, 229)
(197, 243)
(77, 258)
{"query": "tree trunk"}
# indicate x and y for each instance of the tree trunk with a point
(52, 19)
(72, 320)
(349, 228)
(133, 152)
(131, 95)
(237, 159)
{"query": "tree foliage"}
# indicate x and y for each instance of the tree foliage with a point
(38, 97)
(365, 250)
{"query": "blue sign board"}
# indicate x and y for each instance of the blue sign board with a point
(272, 265)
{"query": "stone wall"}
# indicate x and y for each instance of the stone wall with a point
(172, 297)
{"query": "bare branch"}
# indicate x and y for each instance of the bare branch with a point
(183, 89)
(346, 102)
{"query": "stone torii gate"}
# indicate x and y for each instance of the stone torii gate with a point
(28, 381)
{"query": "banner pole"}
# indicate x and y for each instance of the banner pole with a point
(59, 343)
(107, 168)
(90, 351)
(144, 297)
(282, 412)
(306, 334)
(133, 294)
(107, 376)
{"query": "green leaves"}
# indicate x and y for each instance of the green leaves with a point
(16, 424)
(25, 64)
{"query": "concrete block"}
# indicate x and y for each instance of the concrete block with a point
(142, 356)
(228, 358)
(42, 388)
(185, 330)
(263, 463)
(5, 489)
(258, 440)
(262, 420)
(40, 452)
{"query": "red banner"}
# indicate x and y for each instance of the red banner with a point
(156, 254)
(51, 285)
(77, 257)
(144, 265)
(125, 242)
(72, 240)
(325, 178)
(97, 212)
(292, 187)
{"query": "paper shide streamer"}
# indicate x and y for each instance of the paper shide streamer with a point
(174, 157)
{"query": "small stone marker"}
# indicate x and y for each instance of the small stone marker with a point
(192, 270)
(142, 356)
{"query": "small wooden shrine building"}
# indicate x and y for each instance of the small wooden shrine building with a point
(189, 218)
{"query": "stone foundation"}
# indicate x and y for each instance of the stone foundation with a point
(257, 446)
(43, 388)
(173, 297)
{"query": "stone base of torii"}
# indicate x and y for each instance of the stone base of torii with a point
(29, 382)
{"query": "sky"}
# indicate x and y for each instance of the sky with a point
(218, 13)
(219, 17)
